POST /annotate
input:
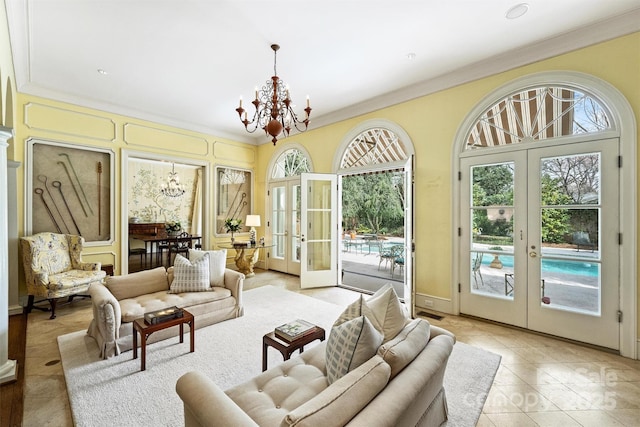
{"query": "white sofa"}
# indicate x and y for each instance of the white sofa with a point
(124, 298)
(400, 385)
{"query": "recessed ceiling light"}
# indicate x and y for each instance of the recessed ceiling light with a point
(103, 72)
(517, 11)
(411, 56)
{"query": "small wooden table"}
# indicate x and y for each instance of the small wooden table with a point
(145, 330)
(287, 348)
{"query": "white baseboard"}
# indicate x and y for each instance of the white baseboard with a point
(433, 303)
(15, 309)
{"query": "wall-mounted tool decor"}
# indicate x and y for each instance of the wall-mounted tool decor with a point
(70, 190)
(234, 195)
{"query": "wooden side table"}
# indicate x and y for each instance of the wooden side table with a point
(107, 268)
(287, 348)
(145, 330)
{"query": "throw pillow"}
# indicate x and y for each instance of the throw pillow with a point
(217, 264)
(350, 344)
(410, 341)
(388, 311)
(356, 309)
(190, 276)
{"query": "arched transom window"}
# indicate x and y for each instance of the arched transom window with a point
(373, 146)
(537, 114)
(291, 162)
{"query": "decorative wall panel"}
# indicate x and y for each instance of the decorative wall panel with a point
(68, 122)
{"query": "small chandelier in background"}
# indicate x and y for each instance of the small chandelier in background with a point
(172, 188)
(273, 112)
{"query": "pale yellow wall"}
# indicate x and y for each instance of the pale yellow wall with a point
(432, 122)
(49, 120)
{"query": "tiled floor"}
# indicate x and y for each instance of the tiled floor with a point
(541, 380)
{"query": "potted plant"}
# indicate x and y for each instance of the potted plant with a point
(232, 225)
(173, 227)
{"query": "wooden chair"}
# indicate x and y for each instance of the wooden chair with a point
(140, 251)
(180, 244)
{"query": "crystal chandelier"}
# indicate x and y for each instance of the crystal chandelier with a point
(274, 113)
(172, 188)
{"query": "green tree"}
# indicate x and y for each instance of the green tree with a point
(492, 186)
(372, 200)
(555, 222)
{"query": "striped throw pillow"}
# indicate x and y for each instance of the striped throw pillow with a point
(190, 277)
(350, 344)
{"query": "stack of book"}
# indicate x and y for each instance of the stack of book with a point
(159, 316)
(294, 330)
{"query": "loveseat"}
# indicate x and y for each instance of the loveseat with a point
(400, 384)
(122, 299)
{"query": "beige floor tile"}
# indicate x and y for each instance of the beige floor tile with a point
(628, 417)
(484, 421)
(497, 402)
(532, 373)
(511, 420)
(563, 397)
(553, 419)
(526, 398)
(505, 376)
(594, 418)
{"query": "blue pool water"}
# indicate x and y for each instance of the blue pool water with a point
(553, 265)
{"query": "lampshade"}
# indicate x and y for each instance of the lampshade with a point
(253, 221)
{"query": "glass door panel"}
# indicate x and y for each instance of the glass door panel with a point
(285, 227)
(295, 221)
(493, 240)
(319, 218)
(492, 224)
(573, 208)
(278, 224)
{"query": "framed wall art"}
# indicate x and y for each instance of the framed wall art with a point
(69, 190)
(234, 195)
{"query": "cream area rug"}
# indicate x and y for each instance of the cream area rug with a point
(114, 392)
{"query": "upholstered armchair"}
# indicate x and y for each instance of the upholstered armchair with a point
(54, 269)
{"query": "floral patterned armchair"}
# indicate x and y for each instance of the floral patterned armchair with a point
(54, 269)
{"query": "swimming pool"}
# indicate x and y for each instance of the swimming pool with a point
(582, 268)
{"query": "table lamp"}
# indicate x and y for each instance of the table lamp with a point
(252, 221)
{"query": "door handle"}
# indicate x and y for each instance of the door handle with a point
(533, 254)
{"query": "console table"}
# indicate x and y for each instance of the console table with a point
(245, 262)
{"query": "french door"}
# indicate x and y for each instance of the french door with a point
(285, 226)
(540, 240)
(319, 230)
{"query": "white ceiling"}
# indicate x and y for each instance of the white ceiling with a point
(185, 63)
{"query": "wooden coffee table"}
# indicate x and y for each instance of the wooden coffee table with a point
(287, 348)
(145, 330)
